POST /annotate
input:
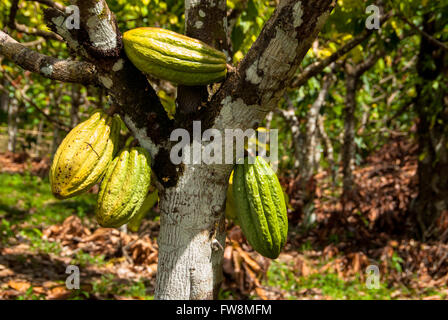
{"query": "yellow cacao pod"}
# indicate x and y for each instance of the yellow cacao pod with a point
(168, 55)
(83, 156)
(124, 187)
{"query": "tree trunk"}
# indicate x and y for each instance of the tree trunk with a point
(432, 201)
(298, 140)
(13, 112)
(192, 196)
(76, 102)
(311, 153)
(328, 148)
(311, 137)
(352, 73)
(192, 234)
(55, 142)
(364, 119)
(348, 148)
(38, 146)
(4, 97)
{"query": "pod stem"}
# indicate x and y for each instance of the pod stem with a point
(112, 110)
(134, 143)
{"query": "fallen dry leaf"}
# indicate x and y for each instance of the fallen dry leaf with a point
(21, 286)
(58, 293)
(38, 290)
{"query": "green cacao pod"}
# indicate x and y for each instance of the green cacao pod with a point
(168, 55)
(124, 187)
(260, 207)
(83, 156)
(150, 201)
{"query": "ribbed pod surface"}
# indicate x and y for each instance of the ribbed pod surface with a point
(124, 187)
(150, 201)
(83, 156)
(171, 56)
(260, 207)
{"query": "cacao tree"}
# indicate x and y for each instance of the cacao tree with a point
(431, 105)
(353, 75)
(192, 196)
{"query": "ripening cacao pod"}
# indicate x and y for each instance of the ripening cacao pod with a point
(124, 187)
(168, 55)
(260, 207)
(136, 221)
(83, 156)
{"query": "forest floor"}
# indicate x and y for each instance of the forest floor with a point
(40, 236)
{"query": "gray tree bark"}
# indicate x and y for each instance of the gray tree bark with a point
(13, 112)
(298, 139)
(328, 148)
(312, 153)
(311, 137)
(306, 146)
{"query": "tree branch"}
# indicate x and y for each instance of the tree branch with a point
(428, 37)
(206, 21)
(232, 17)
(49, 67)
(13, 13)
(327, 80)
(55, 20)
(50, 3)
(288, 114)
(99, 40)
(102, 39)
(25, 98)
(362, 67)
(25, 29)
(35, 32)
(33, 43)
(316, 67)
(259, 81)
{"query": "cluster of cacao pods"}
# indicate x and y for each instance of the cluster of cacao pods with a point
(256, 202)
(88, 155)
(255, 199)
(168, 55)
